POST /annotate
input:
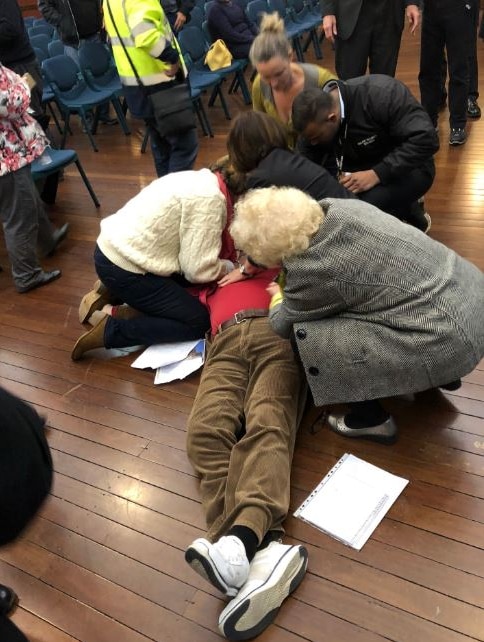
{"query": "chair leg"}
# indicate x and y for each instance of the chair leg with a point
(202, 115)
(316, 46)
(217, 91)
(243, 88)
(67, 116)
(54, 116)
(146, 138)
(88, 129)
(87, 183)
(120, 114)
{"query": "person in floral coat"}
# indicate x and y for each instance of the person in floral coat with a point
(26, 227)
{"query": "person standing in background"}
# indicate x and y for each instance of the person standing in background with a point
(447, 25)
(367, 33)
(149, 42)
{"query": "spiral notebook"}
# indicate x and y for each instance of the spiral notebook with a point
(351, 500)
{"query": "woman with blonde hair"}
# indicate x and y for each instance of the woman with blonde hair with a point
(375, 307)
(279, 79)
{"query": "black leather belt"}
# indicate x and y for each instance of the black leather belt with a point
(243, 315)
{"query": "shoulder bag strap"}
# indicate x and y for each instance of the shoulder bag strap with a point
(124, 49)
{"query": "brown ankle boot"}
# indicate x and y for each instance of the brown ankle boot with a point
(124, 312)
(90, 340)
(96, 299)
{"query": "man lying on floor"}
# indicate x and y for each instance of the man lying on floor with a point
(241, 435)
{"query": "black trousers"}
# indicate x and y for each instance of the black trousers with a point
(447, 25)
(374, 43)
(398, 197)
(9, 632)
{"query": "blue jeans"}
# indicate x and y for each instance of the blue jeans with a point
(175, 153)
(170, 313)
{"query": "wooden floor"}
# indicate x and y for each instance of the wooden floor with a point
(103, 562)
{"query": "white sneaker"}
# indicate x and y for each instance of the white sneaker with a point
(223, 564)
(275, 572)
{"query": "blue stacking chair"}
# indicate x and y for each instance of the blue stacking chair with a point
(196, 45)
(202, 79)
(45, 29)
(293, 30)
(48, 96)
(73, 95)
(29, 22)
(254, 10)
(197, 16)
(53, 160)
(302, 14)
(99, 70)
(56, 48)
(41, 42)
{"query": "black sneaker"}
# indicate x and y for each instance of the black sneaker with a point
(457, 136)
(473, 109)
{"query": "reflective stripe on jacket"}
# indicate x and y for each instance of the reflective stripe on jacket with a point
(146, 33)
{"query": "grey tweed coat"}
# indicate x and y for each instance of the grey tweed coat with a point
(378, 308)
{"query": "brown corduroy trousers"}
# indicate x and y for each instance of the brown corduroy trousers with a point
(250, 380)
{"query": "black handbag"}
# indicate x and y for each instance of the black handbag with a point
(172, 106)
(173, 109)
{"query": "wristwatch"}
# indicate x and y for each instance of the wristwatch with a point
(244, 272)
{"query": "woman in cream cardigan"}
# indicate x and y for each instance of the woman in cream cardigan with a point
(375, 307)
(170, 236)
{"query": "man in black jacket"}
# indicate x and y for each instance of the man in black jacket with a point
(379, 138)
(177, 12)
(77, 21)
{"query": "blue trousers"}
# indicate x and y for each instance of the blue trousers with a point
(169, 312)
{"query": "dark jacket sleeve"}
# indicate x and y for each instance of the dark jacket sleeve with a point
(283, 168)
(185, 6)
(407, 123)
(9, 30)
(328, 7)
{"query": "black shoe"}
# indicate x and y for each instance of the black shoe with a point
(473, 109)
(58, 236)
(8, 600)
(453, 385)
(44, 279)
(457, 136)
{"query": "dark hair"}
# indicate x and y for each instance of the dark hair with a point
(309, 106)
(252, 136)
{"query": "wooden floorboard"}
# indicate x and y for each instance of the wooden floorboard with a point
(103, 560)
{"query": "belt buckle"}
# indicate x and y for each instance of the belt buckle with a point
(239, 318)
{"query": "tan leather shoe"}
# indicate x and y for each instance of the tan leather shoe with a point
(90, 340)
(96, 299)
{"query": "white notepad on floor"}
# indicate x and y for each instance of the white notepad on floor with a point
(351, 500)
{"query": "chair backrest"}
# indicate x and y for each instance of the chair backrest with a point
(29, 21)
(208, 6)
(63, 73)
(46, 29)
(41, 42)
(206, 32)
(40, 55)
(39, 22)
(56, 48)
(193, 42)
(197, 16)
(255, 9)
(97, 64)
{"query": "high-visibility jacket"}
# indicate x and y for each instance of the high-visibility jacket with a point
(146, 34)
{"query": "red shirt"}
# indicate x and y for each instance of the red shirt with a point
(243, 295)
